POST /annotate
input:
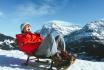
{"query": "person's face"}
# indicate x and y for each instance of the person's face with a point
(27, 28)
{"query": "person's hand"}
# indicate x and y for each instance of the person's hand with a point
(37, 33)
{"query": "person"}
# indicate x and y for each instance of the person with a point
(27, 41)
(34, 44)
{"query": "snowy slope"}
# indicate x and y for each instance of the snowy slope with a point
(86, 65)
(7, 42)
(11, 60)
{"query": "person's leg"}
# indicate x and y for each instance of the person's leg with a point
(60, 43)
(48, 47)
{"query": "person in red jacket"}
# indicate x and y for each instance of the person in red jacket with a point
(27, 41)
(34, 44)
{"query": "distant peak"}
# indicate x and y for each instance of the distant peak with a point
(95, 25)
(58, 27)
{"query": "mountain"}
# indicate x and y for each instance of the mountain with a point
(88, 40)
(58, 27)
(7, 42)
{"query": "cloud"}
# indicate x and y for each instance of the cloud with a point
(61, 22)
(40, 8)
(31, 9)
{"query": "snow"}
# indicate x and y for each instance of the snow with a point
(8, 41)
(12, 60)
(1, 42)
(86, 65)
(59, 27)
(92, 29)
(97, 26)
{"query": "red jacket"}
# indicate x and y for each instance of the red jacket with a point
(28, 42)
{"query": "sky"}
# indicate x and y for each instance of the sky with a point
(37, 12)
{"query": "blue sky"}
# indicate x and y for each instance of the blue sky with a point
(37, 12)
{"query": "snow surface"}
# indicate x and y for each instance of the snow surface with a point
(12, 60)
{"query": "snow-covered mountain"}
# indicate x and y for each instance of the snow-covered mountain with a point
(58, 27)
(89, 39)
(7, 42)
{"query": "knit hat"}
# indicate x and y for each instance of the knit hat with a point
(23, 25)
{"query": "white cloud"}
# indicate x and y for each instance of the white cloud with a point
(31, 10)
(44, 7)
(62, 22)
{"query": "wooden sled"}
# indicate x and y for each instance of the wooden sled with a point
(59, 60)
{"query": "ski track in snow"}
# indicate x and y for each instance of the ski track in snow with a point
(12, 60)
